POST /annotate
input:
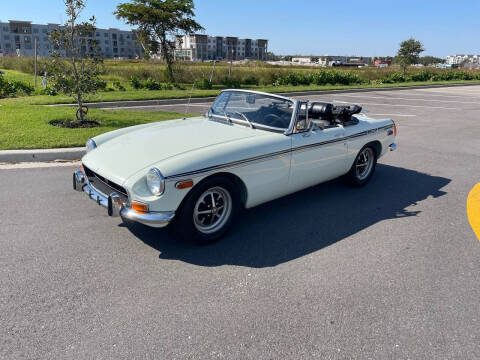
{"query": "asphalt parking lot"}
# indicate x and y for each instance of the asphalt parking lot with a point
(388, 271)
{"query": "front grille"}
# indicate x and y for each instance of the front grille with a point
(104, 185)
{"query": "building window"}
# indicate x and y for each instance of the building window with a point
(105, 34)
(35, 31)
(6, 37)
(44, 31)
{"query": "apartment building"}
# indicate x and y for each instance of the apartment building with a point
(462, 59)
(18, 38)
(204, 47)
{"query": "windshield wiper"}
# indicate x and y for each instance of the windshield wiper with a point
(246, 118)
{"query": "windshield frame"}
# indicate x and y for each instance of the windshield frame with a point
(230, 119)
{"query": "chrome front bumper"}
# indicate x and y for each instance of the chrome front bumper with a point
(115, 207)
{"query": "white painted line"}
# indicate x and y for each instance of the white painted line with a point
(425, 93)
(33, 165)
(403, 105)
(408, 99)
(399, 115)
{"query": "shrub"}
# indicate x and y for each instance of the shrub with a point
(117, 85)
(251, 80)
(151, 84)
(423, 75)
(203, 84)
(395, 78)
(231, 83)
(14, 88)
(136, 83)
(49, 91)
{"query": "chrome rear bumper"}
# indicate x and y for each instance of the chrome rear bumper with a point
(115, 207)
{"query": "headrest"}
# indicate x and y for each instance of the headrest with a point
(321, 110)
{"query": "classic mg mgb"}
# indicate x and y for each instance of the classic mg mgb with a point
(249, 148)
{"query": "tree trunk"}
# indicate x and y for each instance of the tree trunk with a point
(167, 56)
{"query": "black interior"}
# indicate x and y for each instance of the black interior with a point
(335, 114)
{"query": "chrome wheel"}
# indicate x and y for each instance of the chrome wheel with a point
(212, 210)
(364, 163)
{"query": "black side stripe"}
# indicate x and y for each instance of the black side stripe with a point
(274, 154)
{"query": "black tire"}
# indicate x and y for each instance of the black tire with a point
(188, 223)
(356, 176)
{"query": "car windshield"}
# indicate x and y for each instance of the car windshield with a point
(254, 109)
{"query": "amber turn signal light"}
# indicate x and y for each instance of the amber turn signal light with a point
(139, 207)
(184, 184)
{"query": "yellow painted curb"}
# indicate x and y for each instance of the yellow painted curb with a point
(473, 209)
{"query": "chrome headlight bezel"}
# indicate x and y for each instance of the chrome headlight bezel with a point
(155, 181)
(90, 145)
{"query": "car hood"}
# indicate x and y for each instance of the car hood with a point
(126, 154)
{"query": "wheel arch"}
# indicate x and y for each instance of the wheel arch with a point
(377, 146)
(236, 180)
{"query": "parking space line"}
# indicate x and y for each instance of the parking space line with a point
(408, 99)
(401, 115)
(402, 105)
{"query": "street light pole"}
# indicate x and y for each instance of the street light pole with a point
(35, 62)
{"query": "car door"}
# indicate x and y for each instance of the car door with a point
(317, 155)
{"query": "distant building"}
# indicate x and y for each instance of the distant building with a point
(328, 60)
(462, 59)
(200, 47)
(18, 38)
(302, 60)
(382, 63)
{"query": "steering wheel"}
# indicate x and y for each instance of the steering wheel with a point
(274, 121)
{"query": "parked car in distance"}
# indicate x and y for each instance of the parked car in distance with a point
(249, 148)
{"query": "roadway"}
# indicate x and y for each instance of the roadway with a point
(388, 271)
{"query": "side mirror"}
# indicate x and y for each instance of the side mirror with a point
(251, 99)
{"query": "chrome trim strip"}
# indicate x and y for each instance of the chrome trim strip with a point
(260, 93)
(229, 165)
(280, 153)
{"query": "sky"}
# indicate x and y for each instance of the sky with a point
(307, 27)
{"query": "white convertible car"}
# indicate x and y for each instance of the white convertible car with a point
(249, 148)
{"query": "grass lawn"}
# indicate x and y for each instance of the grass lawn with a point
(27, 126)
(24, 123)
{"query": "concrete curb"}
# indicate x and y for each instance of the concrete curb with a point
(41, 155)
(202, 100)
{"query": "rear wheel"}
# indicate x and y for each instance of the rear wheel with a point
(363, 167)
(208, 211)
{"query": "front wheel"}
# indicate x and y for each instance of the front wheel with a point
(208, 211)
(363, 167)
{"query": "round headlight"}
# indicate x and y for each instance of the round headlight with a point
(90, 145)
(155, 182)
